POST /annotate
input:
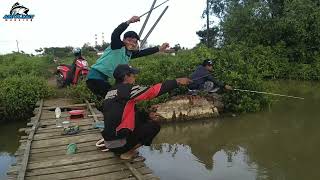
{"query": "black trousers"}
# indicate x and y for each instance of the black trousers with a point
(143, 134)
(98, 87)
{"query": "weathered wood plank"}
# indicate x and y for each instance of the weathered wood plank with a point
(71, 159)
(73, 106)
(43, 130)
(53, 157)
(24, 163)
(62, 152)
(92, 112)
(110, 176)
(54, 135)
(36, 149)
(150, 177)
(144, 170)
(52, 122)
(64, 140)
(134, 171)
(80, 122)
(81, 173)
(83, 166)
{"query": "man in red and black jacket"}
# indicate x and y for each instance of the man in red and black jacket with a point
(123, 132)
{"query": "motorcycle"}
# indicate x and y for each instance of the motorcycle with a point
(65, 77)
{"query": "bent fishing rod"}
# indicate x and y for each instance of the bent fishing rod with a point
(153, 9)
(258, 92)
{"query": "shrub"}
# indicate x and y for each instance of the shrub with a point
(18, 95)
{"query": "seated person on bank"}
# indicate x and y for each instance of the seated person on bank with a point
(124, 132)
(203, 80)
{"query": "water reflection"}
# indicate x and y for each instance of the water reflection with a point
(281, 143)
(9, 142)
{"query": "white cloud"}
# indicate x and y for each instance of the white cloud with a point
(74, 22)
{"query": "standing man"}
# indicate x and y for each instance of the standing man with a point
(119, 52)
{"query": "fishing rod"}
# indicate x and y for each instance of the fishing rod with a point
(268, 93)
(145, 21)
(152, 28)
(258, 92)
(152, 9)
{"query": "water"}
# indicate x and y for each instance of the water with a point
(9, 142)
(281, 143)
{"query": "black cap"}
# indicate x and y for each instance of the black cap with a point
(123, 69)
(208, 62)
(131, 34)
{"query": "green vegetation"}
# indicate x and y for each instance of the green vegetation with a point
(287, 30)
(23, 83)
(19, 94)
(254, 41)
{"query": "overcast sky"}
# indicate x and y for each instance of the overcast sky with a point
(75, 22)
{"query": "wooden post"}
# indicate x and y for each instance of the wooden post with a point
(25, 159)
(92, 112)
(208, 24)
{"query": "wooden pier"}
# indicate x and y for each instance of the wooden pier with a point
(42, 154)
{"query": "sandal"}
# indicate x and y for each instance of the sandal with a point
(100, 145)
(71, 130)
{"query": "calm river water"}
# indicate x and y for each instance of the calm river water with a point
(281, 143)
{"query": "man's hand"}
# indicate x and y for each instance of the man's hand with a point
(133, 19)
(227, 87)
(163, 47)
(183, 81)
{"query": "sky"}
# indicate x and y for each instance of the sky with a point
(59, 23)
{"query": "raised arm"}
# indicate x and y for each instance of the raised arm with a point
(116, 42)
(149, 51)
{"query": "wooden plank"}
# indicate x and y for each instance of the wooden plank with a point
(63, 152)
(64, 140)
(110, 176)
(73, 106)
(48, 122)
(71, 159)
(24, 164)
(144, 170)
(46, 131)
(53, 125)
(53, 135)
(36, 149)
(134, 171)
(92, 112)
(42, 130)
(54, 157)
(81, 173)
(12, 170)
(22, 130)
(68, 168)
(150, 177)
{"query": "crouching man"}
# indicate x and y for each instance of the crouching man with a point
(204, 81)
(124, 133)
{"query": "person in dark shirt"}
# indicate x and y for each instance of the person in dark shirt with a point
(203, 80)
(119, 52)
(124, 132)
